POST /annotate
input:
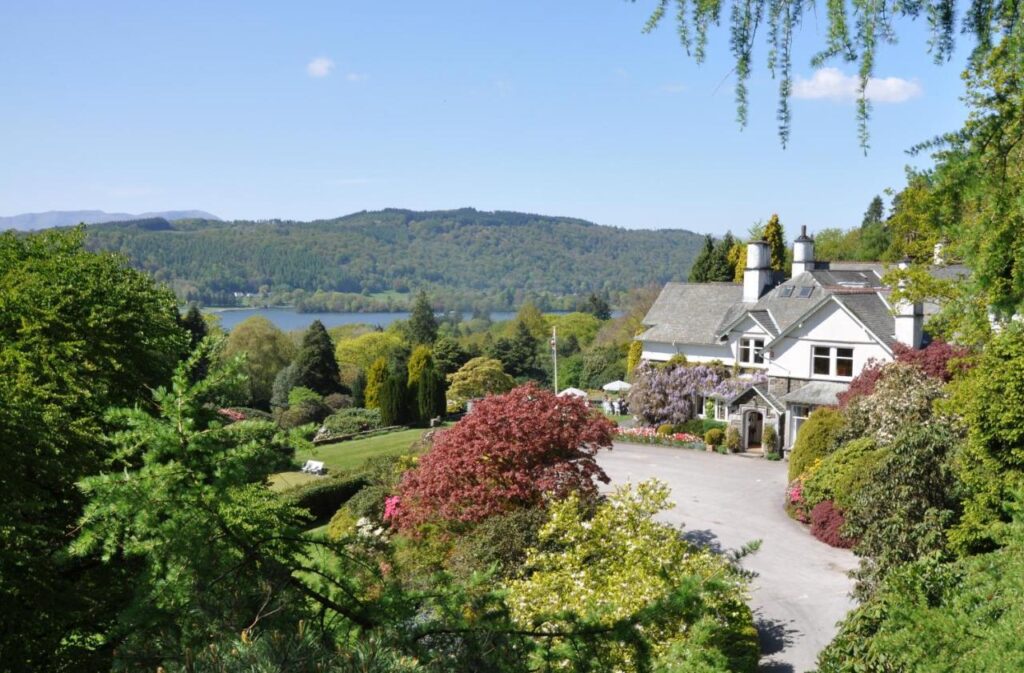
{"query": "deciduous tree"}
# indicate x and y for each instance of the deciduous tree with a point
(267, 351)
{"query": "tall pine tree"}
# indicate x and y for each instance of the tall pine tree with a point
(422, 323)
(315, 366)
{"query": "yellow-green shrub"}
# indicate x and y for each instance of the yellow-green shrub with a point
(818, 437)
(842, 474)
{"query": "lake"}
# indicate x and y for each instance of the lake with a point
(288, 319)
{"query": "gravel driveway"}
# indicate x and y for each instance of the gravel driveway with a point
(801, 589)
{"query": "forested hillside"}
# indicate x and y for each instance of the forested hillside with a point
(464, 258)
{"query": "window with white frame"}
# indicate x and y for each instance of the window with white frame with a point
(721, 410)
(752, 351)
(832, 361)
(799, 412)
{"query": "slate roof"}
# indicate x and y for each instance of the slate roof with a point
(819, 393)
(871, 310)
(691, 312)
(762, 390)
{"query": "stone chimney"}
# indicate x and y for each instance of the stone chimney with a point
(909, 318)
(803, 253)
(757, 277)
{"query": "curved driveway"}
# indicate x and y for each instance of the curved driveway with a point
(801, 589)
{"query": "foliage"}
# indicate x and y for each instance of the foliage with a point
(733, 442)
(315, 366)
(448, 355)
(366, 349)
(852, 41)
(188, 504)
(844, 473)
(863, 384)
(930, 616)
(770, 439)
(903, 395)
(776, 239)
(336, 401)
(518, 353)
(939, 360)
(394, 402)
(354, 420)
(322, 497)
(420, 359)
(819, 436)
(78, 332)
(308, 411)
(581, 326)
(714, 437)
(430, 396)
(827, 523)
(461, 257)
(991, 399)
(299, 394)
(285, 380)
(601, 365)
(376, 376)
(633, 356)
(422, 324)
(597, 306)
(478, 378)
(907, 506)
(267, 351)
(646, 593)
(712, 263)
(511, 452)
(499, 541)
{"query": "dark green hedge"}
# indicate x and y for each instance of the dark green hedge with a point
(324, 496)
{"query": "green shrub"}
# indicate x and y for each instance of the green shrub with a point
(666, 429)
(714, 437)
(499, 541)
(299, 395)
(770, 439)
(338, 401)
(843, 473)
(350, 421)
(732, 439)
(308, 411)
(818, 437)
(323, 497)
(342, 524)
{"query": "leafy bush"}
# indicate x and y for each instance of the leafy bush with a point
(827, 522)
(903, 396)
(299, 394)
(733, 441)
(611, 567)
(353, 420)
(770, 439)
(819, 436)
(324, 496)
(714, 437)
(500, 541)
(843, 474)
(939, 360)
(309, 411)
(698, 426)
(666, 429)
(336, 401)
(515, 450)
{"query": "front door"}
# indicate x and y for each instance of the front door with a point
(755, 424)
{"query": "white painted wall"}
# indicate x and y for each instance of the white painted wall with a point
(662, 352)
(830, 326)
(746, 329)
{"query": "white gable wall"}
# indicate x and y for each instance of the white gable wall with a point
(662, 352)
(831, 325)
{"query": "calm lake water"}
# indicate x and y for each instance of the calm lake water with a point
(288, 319)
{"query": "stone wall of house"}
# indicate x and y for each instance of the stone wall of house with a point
(779, 386)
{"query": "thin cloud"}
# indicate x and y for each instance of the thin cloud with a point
(320, 67)
(834, 85)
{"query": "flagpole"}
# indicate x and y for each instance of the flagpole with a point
(554, 353)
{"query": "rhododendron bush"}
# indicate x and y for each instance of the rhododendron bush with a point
(511, 452)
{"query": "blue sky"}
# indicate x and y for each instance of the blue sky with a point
(316, 109)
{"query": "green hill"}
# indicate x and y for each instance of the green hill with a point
(464, 258)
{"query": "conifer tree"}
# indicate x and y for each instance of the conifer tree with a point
(315, 366)
(393, 399)
(422, 323)
(376, 375)
(430, 399)
(775, 236)
(421, 359)
(598, 307)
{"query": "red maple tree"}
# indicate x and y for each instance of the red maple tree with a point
(511, 452)
(939, 360)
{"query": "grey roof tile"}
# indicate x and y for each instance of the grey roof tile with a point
(690, 312)
(820, 393)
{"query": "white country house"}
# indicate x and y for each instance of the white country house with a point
(809, 334)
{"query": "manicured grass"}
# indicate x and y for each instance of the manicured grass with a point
(352, 454)
(285, 480)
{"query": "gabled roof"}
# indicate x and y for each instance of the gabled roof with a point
(817, 393)
(761, 390)
(690, 312)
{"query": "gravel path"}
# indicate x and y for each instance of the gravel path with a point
(801, 589)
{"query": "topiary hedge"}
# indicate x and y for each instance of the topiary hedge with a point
(819, 436)
(323, 497)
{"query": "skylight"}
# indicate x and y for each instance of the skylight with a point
(786, 291)
(805, 292)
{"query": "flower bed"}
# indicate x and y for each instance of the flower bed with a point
(651, 436)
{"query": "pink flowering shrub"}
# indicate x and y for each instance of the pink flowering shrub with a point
(796, 505)
(391, 505)
(651, 436)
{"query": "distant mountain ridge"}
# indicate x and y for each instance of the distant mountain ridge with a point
(372, 260)
(67, 218)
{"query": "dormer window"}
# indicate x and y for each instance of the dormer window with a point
(752, 351)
